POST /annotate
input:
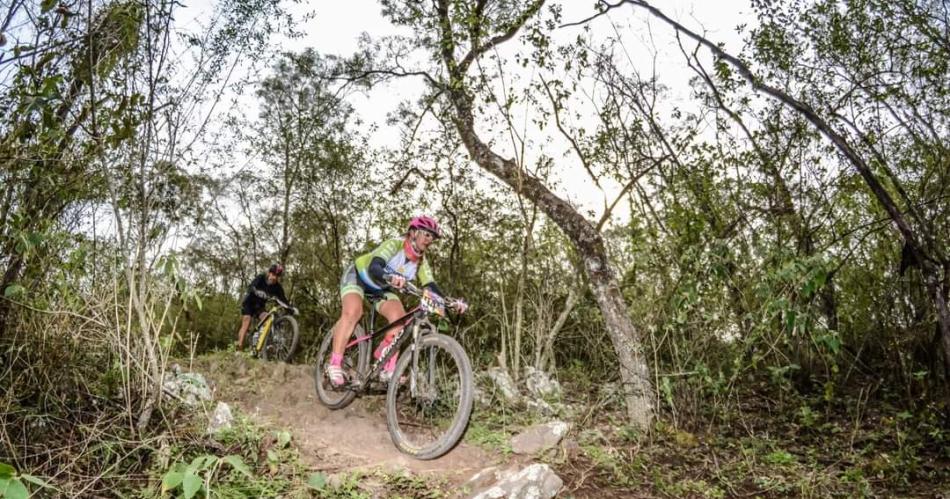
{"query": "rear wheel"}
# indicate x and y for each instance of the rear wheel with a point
(355, 361)
(427, 415)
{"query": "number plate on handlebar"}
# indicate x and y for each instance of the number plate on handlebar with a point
(432, 303)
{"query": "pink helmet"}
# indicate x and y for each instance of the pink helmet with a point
(426, 223)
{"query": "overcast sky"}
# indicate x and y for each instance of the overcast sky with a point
(336, 26)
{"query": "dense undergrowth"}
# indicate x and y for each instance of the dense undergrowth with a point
(67, 433)
(765, 440)
(66, 423)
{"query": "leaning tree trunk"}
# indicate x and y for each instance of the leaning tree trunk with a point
(634, 372)
(587, 240)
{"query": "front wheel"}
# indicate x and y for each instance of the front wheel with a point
(428, 411)
(355, 362)
(282, 339)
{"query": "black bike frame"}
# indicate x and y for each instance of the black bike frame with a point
(404, 322)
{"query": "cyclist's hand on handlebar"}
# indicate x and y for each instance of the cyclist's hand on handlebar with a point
(460, 306)
(397, 281)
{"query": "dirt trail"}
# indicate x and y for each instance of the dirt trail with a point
(354, 438)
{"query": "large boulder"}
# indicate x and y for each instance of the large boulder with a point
(535, 481)
(539, 437)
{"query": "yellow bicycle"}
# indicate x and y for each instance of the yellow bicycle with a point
(276, 335)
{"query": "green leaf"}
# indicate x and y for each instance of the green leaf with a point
(47, 5)
(191, 485)
(172, 480)
(7, 471)
(283, 438)
(36, 481)
(237, 463)
(16, 490)
(201, 463)
(12, 291)
(317, 481)
(780, 457)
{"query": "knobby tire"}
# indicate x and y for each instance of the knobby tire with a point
(355, 361)
(409, 419)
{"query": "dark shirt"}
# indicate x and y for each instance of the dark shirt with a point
(260, 283)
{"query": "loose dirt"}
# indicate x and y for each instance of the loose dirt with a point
(350, 439)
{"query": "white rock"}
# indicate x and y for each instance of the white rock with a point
(541, 407)
(221, 418)
(190, 388)
(504, 383)
(539, 437)
(540, 384)
(536, 481)
(481, 398)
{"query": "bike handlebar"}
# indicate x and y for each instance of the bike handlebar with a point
(412, 289)
(282, 304)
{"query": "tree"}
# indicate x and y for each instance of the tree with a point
(458, 35)
(897, 73)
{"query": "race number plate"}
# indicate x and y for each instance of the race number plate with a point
(432, 303)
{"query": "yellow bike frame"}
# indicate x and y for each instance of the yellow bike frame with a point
(264, 327)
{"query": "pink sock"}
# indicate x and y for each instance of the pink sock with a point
(336, 359)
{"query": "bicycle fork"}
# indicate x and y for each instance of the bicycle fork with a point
(414, 351)
(263, 329)
(428, 390)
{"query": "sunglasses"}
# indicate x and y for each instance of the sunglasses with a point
(431, 235)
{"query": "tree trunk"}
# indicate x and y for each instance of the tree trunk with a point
(634, 372)
(587, 240)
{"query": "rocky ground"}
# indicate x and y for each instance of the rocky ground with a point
(355, 440)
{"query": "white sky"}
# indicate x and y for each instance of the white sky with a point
(336, 26)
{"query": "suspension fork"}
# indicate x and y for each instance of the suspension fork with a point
(418, 333)
(264, 328)
(414, 351)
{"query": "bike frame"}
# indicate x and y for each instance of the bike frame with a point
(414, 319)
(264, 327)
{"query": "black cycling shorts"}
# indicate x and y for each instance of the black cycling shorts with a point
(248, 307)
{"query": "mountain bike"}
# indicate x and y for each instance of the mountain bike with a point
(429, 398)
(275, 337)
